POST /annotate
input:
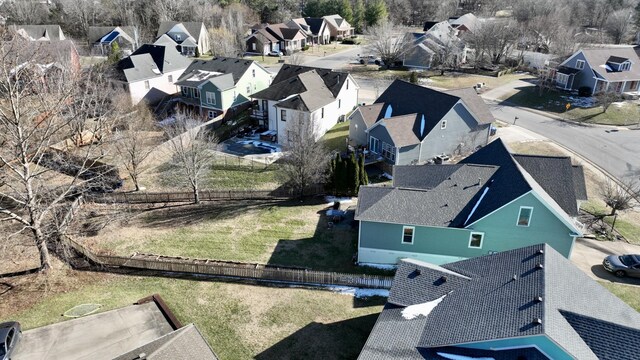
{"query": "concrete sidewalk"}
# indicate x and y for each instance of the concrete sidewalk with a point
(588, 255)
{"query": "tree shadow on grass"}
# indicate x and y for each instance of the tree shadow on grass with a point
(339, 340)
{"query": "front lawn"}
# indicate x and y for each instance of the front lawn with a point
(461, 80)
(629, 294)
(238, 321)
(290, 233)
(621, 113)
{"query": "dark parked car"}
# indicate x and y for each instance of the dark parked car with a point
(9, 337)
(623, 265)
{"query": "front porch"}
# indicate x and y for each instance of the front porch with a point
(630, 87)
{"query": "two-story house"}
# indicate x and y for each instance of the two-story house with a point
(612, 69)
(151, 71)
(427, 48)
(281, 37)
(339, 28)
(302, 93)
(209, 88)
(316, 29)
(489, 202)
(530, 303)
(39, 32)
(410, 124)
(185, 36)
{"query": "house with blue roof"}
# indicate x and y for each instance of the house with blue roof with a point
(489, 202)
(529, 303)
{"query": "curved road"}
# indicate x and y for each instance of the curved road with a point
(614, 149)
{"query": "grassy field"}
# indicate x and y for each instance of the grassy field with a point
(238, 321)
(625, 113)
(459, 80)
(628, 294)
(334, 139)
(282, 233)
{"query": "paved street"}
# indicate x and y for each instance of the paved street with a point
(335, 61)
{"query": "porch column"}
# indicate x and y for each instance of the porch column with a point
(624, 85)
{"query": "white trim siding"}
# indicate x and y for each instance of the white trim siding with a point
(381, 256)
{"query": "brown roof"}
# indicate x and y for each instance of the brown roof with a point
(476, 105)
(597, 58)
(370, 113)
(400, 128)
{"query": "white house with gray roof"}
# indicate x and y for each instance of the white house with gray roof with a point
(185, 36)
(300, 93)
(151, 71)
(529, 303)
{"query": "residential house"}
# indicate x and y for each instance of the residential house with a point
(467, 22)
(428, 25)
(610, 69)
(440, 43)
(209, 88)
(529, 303)
(185, 36)
(315, 29)
(489, 202)
(410, 124)
(339, 28)
(40, 32)
(48, 55)
(288, 39)
(101, 39)
(151, 71)
(300, 93)
(146, 330)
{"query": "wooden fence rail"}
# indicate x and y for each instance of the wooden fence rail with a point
(234, 270)
(205, 195)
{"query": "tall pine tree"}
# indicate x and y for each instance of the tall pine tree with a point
(364, 179)
(375, 12)
(354, 174)
(358, 16)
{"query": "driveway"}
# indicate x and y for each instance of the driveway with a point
(588, 255)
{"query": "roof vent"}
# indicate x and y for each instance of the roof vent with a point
(537, 321)
(539, 266)
(538, 299)
(515, 277)
(541, 251)
(141, 356)
(443, 278)
(455, 185)
(418, 271)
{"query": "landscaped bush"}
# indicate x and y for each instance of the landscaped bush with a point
(305, 48)
(350, 41)
(584, 91)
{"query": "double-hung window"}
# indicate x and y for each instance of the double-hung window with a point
(388, 151)
(211, 98)
(580, 64)
(283, 115)
(407, 234)
(524, 216)
(475, 239)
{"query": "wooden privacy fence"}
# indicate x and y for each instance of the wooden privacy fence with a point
(205, 195)
(243, 271)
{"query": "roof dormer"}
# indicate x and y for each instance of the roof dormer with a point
(616, 64)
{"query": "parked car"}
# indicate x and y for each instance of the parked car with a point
(275, 53)
(10, 334)
(623, 265)
(369, 59)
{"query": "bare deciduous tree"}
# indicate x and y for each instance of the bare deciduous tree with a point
(606, 98)
(619, 197)
(492, 41)
(306, 160)
(192, 151)
(619, 24)
(39, 169)
(388, 41)
(130, 144)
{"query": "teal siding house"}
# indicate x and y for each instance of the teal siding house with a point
(491, 201)
(529, 303)
(210, 88)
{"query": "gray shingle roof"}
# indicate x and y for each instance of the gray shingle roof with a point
(195, 73)
(51, 32)
(370, 113)
(148, 59)
(95, 33)
(184, 343)
(401, 129)
(333, 80)
(306, 91)
(443, 205)
(193, 27)
(579, 183)
(597, 59)
(499, 302)
(475, 104)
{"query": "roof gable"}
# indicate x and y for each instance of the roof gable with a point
(217, 66)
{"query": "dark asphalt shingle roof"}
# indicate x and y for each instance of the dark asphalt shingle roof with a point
(370, 113)
(333, 80)
(148, 59)
(444, 205)
(555, 175)
(567, 70)
(474, 103)
(315, 24)
(428, 25)
(500, 302)
(306, 92)
(224, 65)
(53, 32)
(579, 183)
(509, 354)
(617, 59)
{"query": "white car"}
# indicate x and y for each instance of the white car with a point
(275, 53)
(369, 59)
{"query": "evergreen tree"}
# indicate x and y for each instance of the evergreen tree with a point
(345, 11)
(314, 8)
(358, 16)
(331, 179)
(354, 174)
(364, 179)
(115, 55)
(197, 52)
(342, 178)
(375, 12)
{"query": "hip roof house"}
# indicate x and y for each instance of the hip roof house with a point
(491, 201)
(185, 36)
(528, 303)
(410, 124)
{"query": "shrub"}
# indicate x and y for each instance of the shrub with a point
(350, 42)
(413, 77)
(305, 48)
(584, 91)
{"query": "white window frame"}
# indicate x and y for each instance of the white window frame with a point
(196, 93)
(253, 71)
(374, 141)
(562, 76)
(413, 235)
(170, 78)
(211, 114)
(321, 113)
(580, 64)
(283, 115)
(211, 96)
(339, 103)
(520, 213)
(471, 239)
(625, 66)
(443, 125)
(147, 85)
(184, 91)
(388, 151)
(248, 89)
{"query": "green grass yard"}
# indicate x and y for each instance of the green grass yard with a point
(459, 80)
(625, 113)
(628, 293)
(238, 321)
(335, 138)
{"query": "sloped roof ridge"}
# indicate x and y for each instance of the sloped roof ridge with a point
(436, 267)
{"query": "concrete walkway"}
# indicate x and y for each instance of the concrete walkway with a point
(588, 255)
